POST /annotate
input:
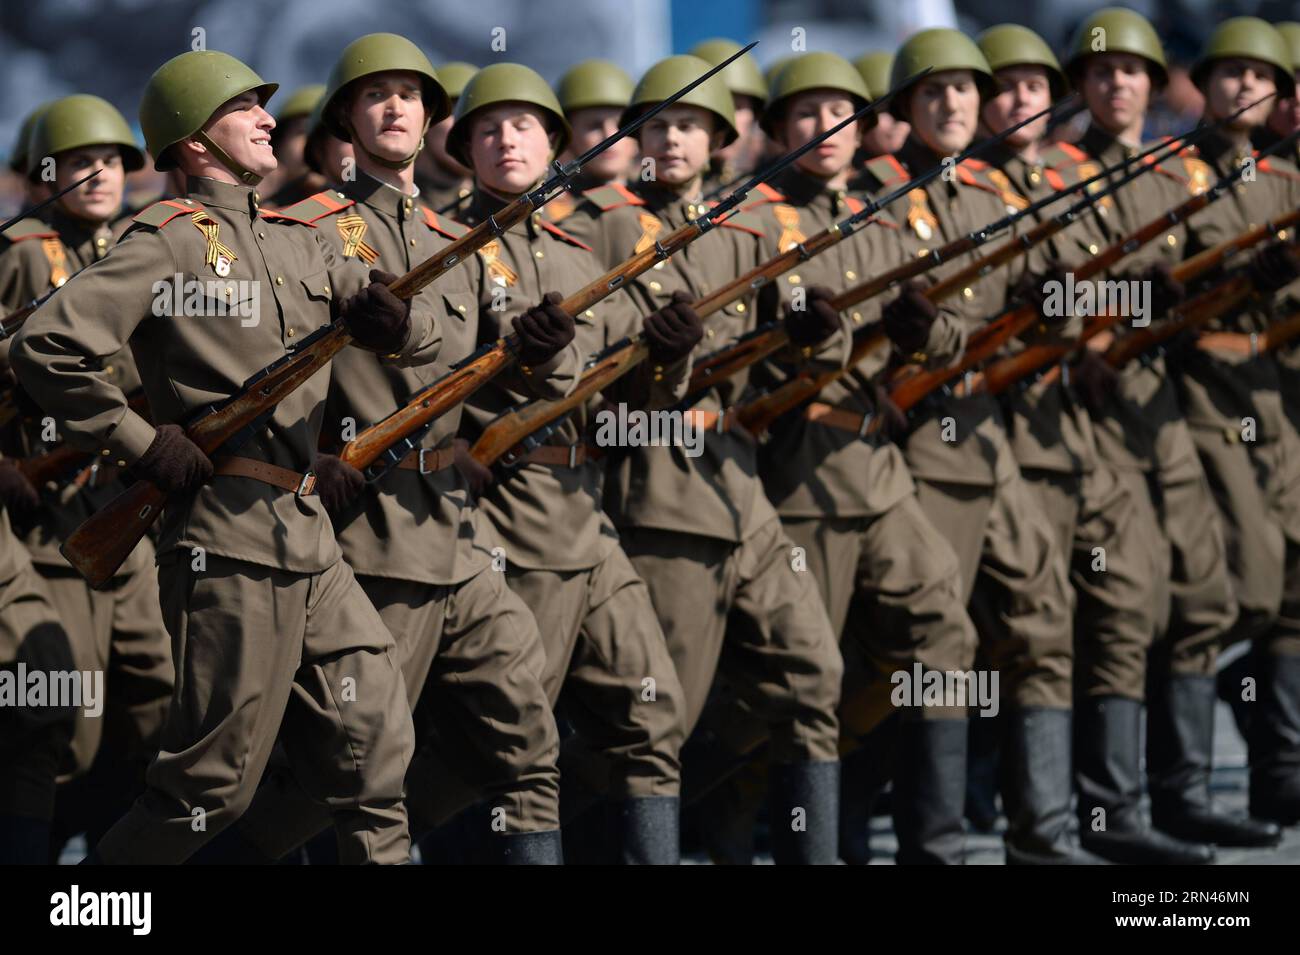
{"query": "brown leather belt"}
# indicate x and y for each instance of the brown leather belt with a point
(1238, 343)
(557, 456)
(839, 418)
(303, 485)
(428, 460)
(712, 420)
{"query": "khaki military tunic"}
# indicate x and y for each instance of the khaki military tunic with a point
(968, 480)
(700, 530)
(1255, 478)
(563, 555)
(1142, 432)
(266, 620)
(117, 630)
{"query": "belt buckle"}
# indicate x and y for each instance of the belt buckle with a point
(866, 424)
(573, 456)
(1254, 345)
(420, 462)
(722, 423)
(307, 486)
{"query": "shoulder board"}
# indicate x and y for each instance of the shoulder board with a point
(969, 176)
(979, 165)
(611, 196)
(29, 228)
(557, 231)
(855, 205)
(1062, 153)
(744, 221)
(765, 193)
(442, 225)
(161, 213)
(888, 170)
(1270, 165)
(561, 207)
(324, 203)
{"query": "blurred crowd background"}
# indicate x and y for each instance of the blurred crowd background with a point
(52, 48)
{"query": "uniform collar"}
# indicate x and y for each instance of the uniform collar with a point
(234, 197)
(670, 206)
(805, 190)
(1106, 146)
(917, 156)
(483, 204)
(1217, 149)
(76, 233)
(382, 197)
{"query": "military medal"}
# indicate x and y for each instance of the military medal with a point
(218, 255)
(919, 216)
(501, 273)
(788, 216)
(650, 228)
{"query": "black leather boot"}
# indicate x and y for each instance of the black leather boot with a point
(1037, 789)
(983, 761)
(1180, 745)
(804, 809)
(930, 792)
(1275, 740)
(1109, 779)
(644, 830)
(523, 848)
(864, 774)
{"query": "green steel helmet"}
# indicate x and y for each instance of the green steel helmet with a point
(1252, 38)
(454, 76)
(380, 53)
(813, 71)
(1010, 44)
(316, 132)
(300, 102)
(668, 76)
(182, 95)
(593, 83)
(1290, 31)
(776, 66)
(743, 77)
(875, 69)
(940, 48)
(18, 154)
(1118, 30)
(504, 83)
(77, 121)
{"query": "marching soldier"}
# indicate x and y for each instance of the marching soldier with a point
(1251, 455)
(328, 162)
(421, 551)
(289, 138)
(1141, 433)
(444, 183)
(699, 530)
(598, 626)
(267, 621)
(748, 94)
(847, 499)
(593, 95)
(118, 630)
(36, 190)
(888, 133)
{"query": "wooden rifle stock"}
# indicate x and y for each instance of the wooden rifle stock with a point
(1281, 332)
(1192, 314)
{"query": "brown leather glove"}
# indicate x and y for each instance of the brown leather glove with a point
(893, 423)
(1032, 290)
(338, 484)
(673, 331)
(907, 319)
(1093, 379)
(1166, 291)
(814, 323)
(477, 476)
(1273, 267)
(17, 495)
(173, 462)
(544, 330)
(377, 319)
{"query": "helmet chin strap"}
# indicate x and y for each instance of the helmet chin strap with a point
(397, 164)
(246, 176)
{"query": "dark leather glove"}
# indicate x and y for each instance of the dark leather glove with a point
(338, 484)
(1273, 266)
(908, 318)
(25, 403)
(173, 462)
(377, 319)
(893, 423)
(1166, 291)
(1032, 290)
(17, 494)
(814, 323)
(674, 330)
(478, 476)
(544, 330)
(1093, 379)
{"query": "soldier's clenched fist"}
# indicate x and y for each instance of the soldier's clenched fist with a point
(817, 322)
(674, 330)
(543, 330)
(908, 318)
(377, 319)
(173, 462)
(338, 484)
